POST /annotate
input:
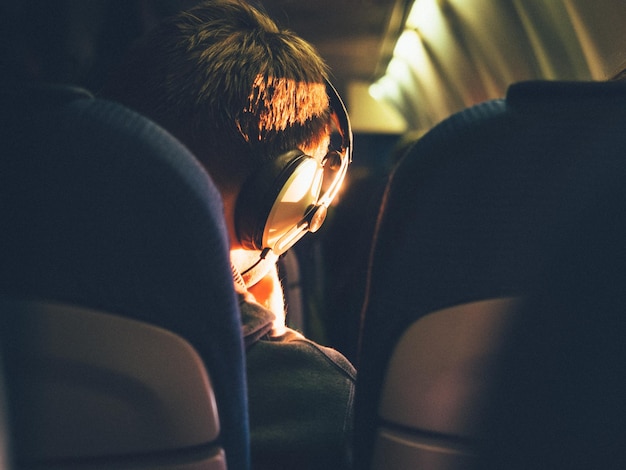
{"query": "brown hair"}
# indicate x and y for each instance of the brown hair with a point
(230, 84)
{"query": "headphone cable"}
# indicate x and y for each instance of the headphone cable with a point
(262, 256)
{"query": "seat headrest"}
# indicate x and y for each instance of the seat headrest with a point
(31, 97)
(556, 97)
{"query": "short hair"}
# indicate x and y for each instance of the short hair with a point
(230, 84)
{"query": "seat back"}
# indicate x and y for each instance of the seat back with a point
(460, 230)
(88, 388)
(558, 395)
(434, 386)
(103, 210)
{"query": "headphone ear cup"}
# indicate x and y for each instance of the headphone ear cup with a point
(276, 198)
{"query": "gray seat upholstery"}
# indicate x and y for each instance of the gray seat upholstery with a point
(462, 225)
(103, 211)
(557, 399)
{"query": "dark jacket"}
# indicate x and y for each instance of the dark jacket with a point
(300, 397)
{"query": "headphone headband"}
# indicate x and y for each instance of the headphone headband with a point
(340, 114)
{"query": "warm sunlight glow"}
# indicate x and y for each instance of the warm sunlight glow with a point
(411, 62)
(424, 16)
(400, 71)
(385, 88)
(283, 102)
(406, 44)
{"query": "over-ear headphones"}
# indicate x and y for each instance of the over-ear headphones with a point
(289, 195)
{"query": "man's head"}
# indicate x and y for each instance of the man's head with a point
(242, 94)
(231, 85)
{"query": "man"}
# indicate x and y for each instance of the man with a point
(252, 102)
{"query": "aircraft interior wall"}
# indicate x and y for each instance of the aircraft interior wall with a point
(455, 53)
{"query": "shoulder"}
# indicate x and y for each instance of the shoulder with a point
(256, 321)
(300, 398)
(297, 351)
(329, 355)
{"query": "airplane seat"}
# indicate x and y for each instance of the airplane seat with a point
(105, 215)
(558, 395)
(457, 244)
(5, 447)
